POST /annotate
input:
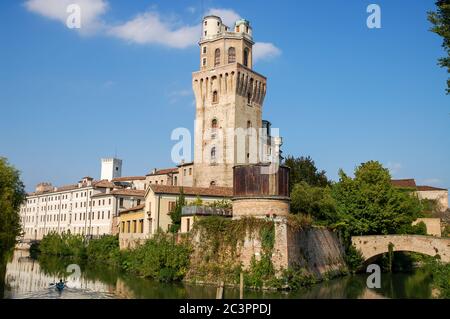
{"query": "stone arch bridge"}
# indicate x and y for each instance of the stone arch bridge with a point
(372, 246)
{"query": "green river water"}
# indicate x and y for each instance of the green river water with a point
(29, 278)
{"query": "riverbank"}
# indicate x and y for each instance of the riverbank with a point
(166, 260)
(29, 278)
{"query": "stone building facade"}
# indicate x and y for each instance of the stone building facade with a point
(87, 208)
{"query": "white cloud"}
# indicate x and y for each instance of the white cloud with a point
(191, 10)
(229, 16)
(145, 29)
(175, 96)
(394, 168)
(148, 28)
(265, 51)
(91, 11)
(108, 84)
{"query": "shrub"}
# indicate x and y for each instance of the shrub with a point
(63, 245)
(160, 258)
(353, 259)
(105, 250)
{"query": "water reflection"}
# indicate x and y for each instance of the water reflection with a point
(29, 278)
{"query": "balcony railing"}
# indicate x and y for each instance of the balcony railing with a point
(205, 211)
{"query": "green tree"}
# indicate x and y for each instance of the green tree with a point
(175, 214)
(12, 195)
(368, 203)
(315, 201)
(303, 169)
(441, 26)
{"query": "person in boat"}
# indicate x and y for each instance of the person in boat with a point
(60, 285)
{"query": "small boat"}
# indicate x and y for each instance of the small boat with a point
(60, 286)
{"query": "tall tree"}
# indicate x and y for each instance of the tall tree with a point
(12, 195)
(175, 214)
(368, 203)
(441, 26)
(303, 169)
(315, 201)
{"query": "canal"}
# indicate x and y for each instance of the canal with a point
(29, 278)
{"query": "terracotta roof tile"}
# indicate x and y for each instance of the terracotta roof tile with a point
(404, 183)
(132, 209)
(429, 188)
(194, 191)
(164, 171)
(103, 184)
(129, 178)
(122, 192)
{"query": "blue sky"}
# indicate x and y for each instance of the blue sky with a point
(339, 92)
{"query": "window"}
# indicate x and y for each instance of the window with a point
(246, 57)
(213, 153)
(190, 171)
(139, 201)
(217, 57)
(204, 50)
(204, 62)
(231, 55)
(123, 227)
(172, 206)
(214, 123)
(175, 182)
(215, 97)
(121, 202)
(212, 184)
(249, 98)
(141, 226)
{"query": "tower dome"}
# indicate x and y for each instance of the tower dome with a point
(243, 26)
(212, 26)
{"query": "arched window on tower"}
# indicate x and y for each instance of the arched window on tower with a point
(249, 98)
(231, 55)
(214, 124)
(212, 184)
(246, 52)
(215, 97)
(217, 57)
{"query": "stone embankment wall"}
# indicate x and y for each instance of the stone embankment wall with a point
(318, 250)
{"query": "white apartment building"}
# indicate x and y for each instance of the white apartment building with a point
(86, 208)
